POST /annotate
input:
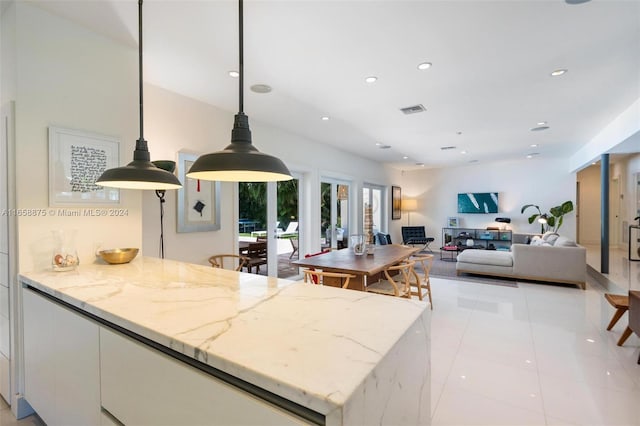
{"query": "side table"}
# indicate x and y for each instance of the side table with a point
(454, 250)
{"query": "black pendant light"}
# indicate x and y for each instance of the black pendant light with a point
(141, 173)
(240, 161)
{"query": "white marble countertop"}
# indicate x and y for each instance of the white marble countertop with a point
(310, 344)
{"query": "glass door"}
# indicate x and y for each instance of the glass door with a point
(269, 212)
(334, 214)
(373, 210)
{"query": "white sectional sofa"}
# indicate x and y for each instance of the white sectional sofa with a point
(561, 261)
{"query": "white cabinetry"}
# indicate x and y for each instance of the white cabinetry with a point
(62, 363)
(143, 386)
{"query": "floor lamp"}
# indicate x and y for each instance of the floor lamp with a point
(409, 205)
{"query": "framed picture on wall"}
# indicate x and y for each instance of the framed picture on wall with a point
(453, 222)
(396, 202)
(198, 200)
(76, 160)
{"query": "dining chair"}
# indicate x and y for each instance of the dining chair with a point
(397, 282)
(256, 256)
(421, 281)
(318, 277)
(218, 261)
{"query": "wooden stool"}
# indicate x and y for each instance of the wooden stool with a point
(621, 303)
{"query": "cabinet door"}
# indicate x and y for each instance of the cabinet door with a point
(142, 386)
(61, 354)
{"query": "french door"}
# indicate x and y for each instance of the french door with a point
(334, 213)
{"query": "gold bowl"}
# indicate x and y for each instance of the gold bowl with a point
(117, 256)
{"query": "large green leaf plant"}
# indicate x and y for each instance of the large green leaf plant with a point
(553, 219)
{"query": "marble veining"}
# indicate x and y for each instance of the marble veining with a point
(325, 348)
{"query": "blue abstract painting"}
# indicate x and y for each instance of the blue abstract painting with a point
(478, 202)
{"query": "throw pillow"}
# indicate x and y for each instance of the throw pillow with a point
(565, 242)
(549, 235)
(536, 241)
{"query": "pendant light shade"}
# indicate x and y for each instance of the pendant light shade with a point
(240, 161)
(141, 173)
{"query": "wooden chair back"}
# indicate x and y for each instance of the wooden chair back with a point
(421, 281)
(231, 260)
(318, 277)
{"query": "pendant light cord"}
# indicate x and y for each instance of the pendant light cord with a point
(140, 68)
(241, 70)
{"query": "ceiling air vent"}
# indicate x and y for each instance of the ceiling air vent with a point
(413, 109)
(446, 148)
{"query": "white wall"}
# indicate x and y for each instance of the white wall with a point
(69, 76)
(544, 182)
(174, 122)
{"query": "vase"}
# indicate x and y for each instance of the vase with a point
(470, 242)
(358, 244)
(65, 255)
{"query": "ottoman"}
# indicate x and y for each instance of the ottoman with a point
(485, 262)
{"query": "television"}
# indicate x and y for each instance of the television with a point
(478, 202)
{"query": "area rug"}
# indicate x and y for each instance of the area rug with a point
(447, 269)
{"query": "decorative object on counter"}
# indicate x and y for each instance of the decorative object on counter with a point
(141, 173)
(169, 166)
(470, 243)
(553, 219)
(396, 202)
(65, 256)
(240, 161)
(76, 159)
(358, 244)
(118, 256)
(368, 224)
(371, 248)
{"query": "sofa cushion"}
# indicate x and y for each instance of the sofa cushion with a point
(564, 242)
(550, 237)
(536, 241)
(486, 257)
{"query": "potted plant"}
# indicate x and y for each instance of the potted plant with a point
(553, 219)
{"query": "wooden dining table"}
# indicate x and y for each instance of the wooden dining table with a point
(364, 267)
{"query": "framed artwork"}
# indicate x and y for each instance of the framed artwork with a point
(198, 200)
(453, 222)
(396, 203)
(76, 160)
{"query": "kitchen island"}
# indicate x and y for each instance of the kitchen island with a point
(165, 342)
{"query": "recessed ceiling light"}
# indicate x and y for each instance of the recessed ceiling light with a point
(463, 152)
(384, 146)
(534, 145)
(533, 154)
(559, 72)
(539, 128)
(371, 79)
(324, 118)
(458, 133)
(541, 123)
(234, 74)
(590, 340)
(593, 164)
(424, 65)
(261, 88)
(405, 158)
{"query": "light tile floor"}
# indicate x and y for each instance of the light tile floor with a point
(538, 354)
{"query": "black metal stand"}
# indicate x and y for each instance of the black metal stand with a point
(160, 193)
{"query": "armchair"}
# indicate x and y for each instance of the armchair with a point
(416, 235)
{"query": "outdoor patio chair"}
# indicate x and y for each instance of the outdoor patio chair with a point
(292, 229)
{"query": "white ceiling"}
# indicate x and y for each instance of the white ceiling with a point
(490, 78)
